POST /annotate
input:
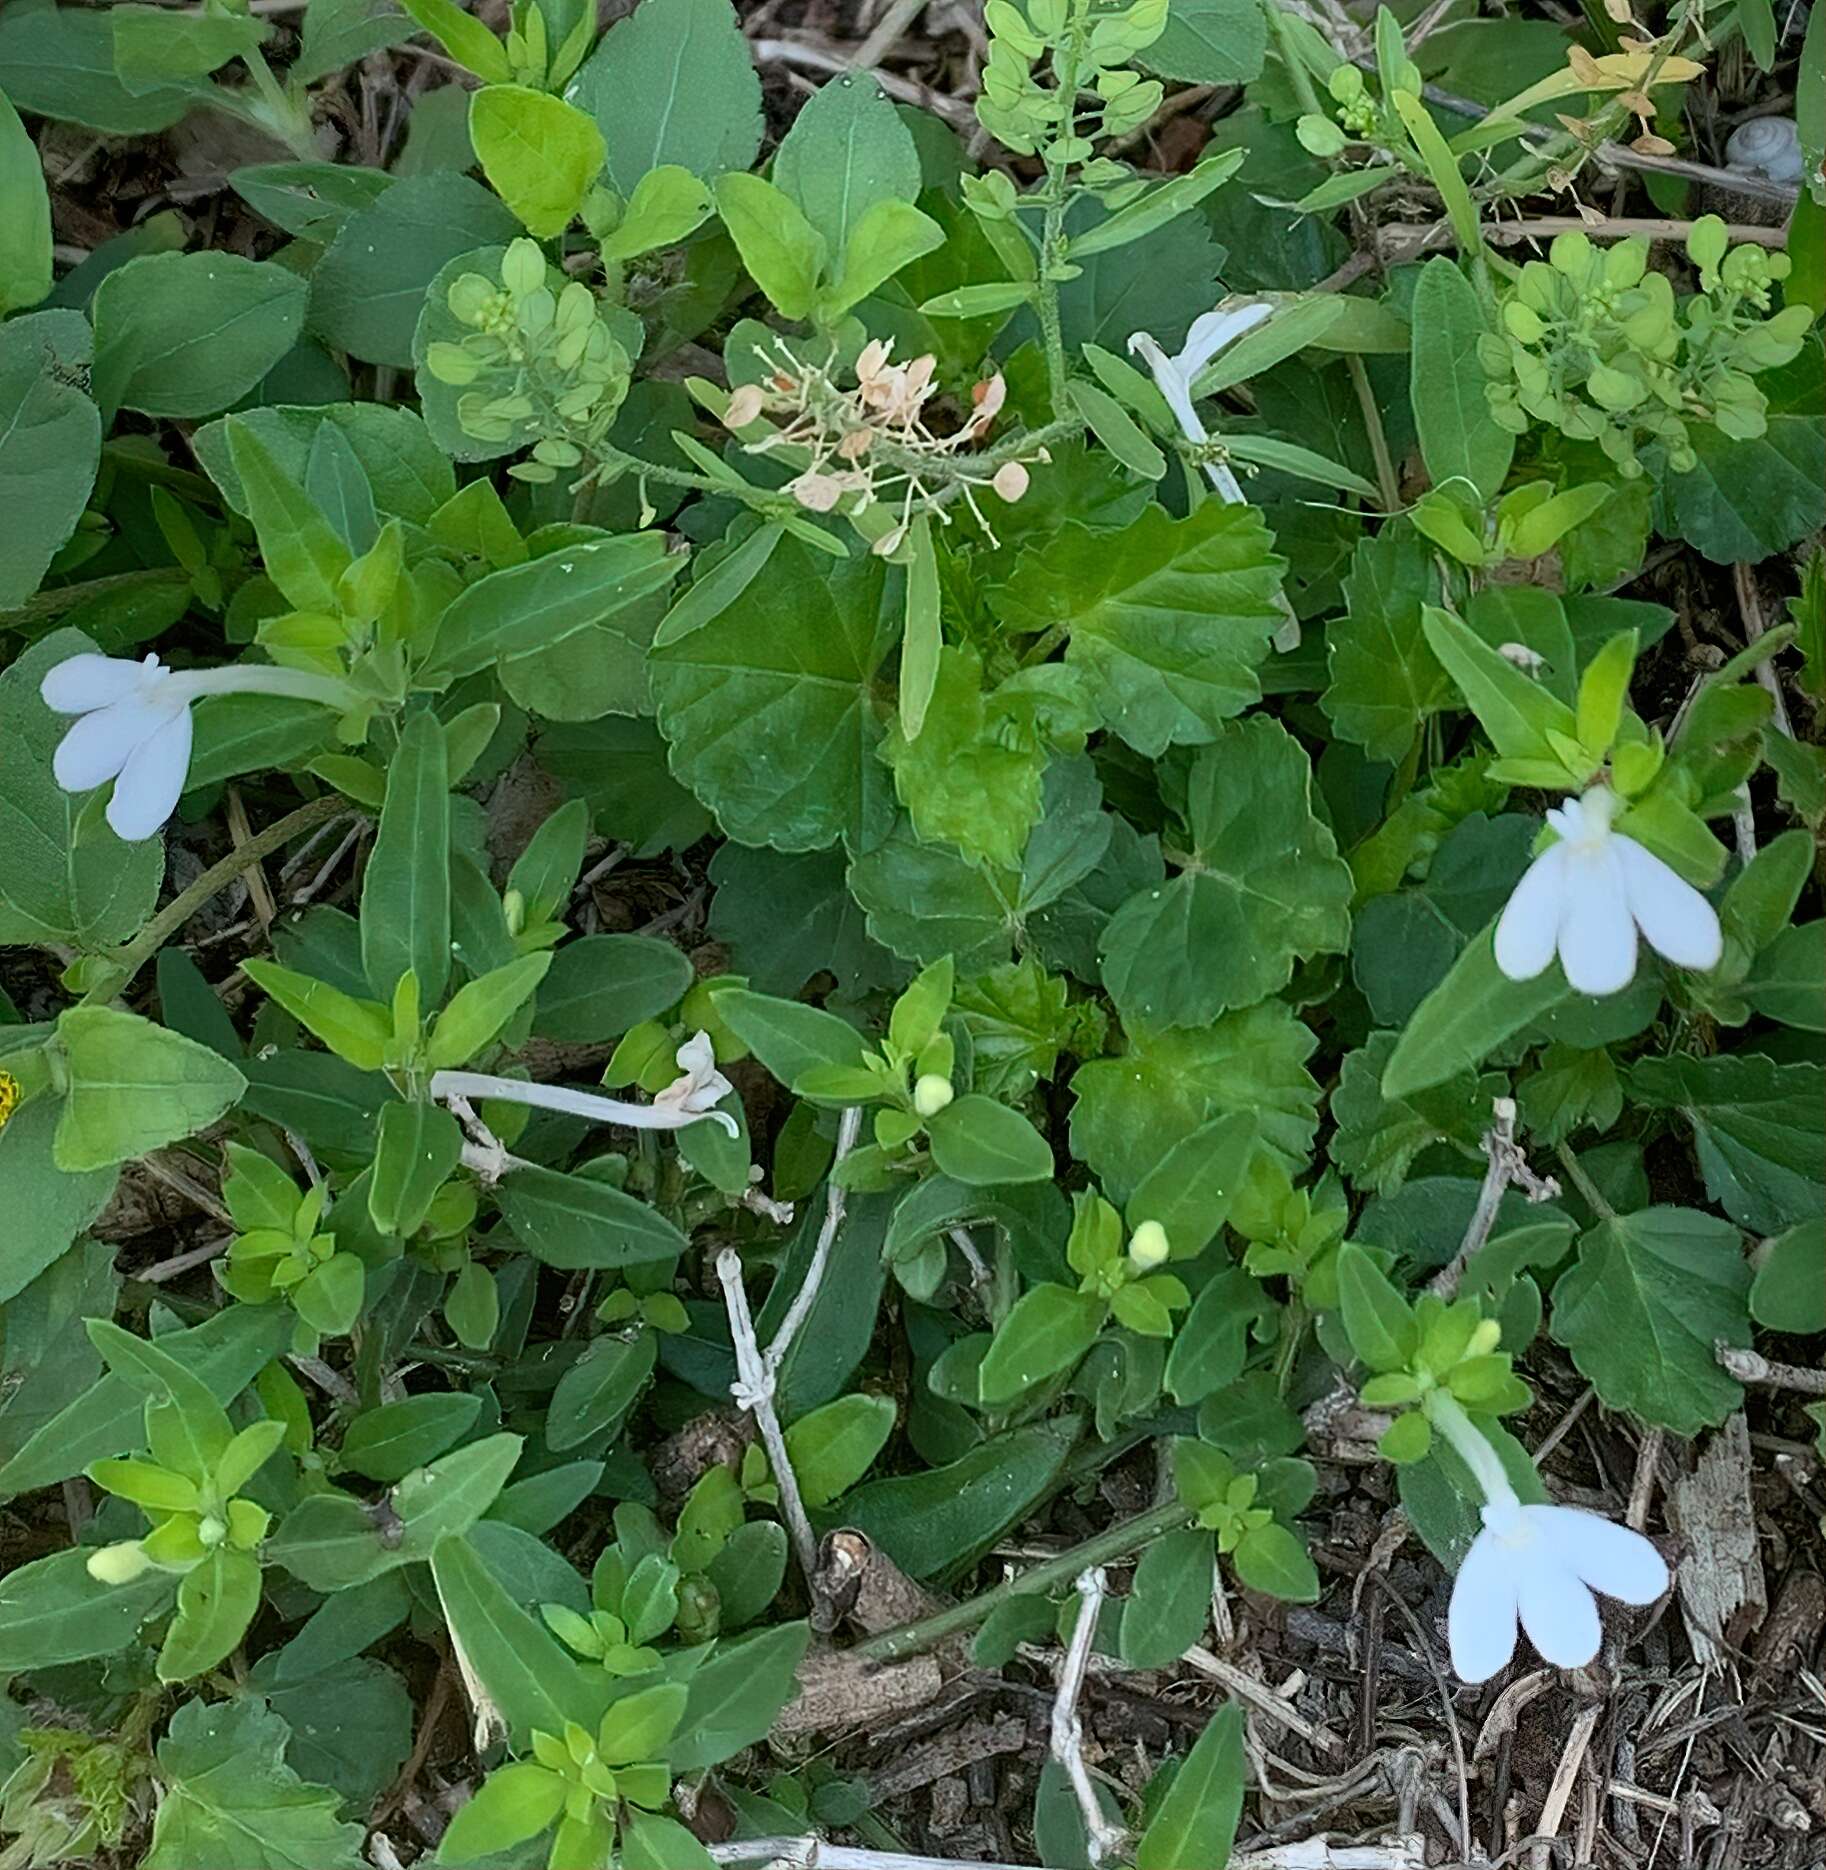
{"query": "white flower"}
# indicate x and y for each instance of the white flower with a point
(134, 726)
(1586, 896)
(134, 729)
(1541, 1564)
(702, 1087)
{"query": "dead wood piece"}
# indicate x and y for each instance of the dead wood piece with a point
(854, 1581)
(1720, 1576)
(837, 1691)
(950, 1753)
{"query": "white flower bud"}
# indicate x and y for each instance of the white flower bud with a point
(1148, 1246)
(931, 1094)
(118, 1564)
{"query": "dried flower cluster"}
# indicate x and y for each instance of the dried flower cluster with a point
(870, 446)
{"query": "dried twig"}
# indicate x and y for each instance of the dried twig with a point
(1067, 1739)
(1752, 1367)
(1508, 1167)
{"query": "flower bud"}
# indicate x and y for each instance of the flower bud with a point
(1148, 1246)
(118, 1564)
(931, 1094)
(213, 1529)
(1485, 1338)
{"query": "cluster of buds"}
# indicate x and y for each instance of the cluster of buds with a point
(867, 452)
(1092, 41)
(539, 365)
(1357, 116)
(1595, 345)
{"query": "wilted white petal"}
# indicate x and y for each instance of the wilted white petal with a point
(146, 793)
(1597, 932)
(81, 683)
(1530, 922)
(1677, 921)
(1480, 1625)
(1610, 1558)
(1557, 1611)
(1173, 384)
(1211, 331)
(697, 1055)
(100, 744)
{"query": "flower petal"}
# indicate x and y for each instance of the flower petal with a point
(99, 744)
(82, 683)
(1530, 922)
(1480, 1625)
(1678, 922)
(1211, 331)
(146, 793)
(1172, 382)
(1597, 932)
(1558, 1612)
(1610, 1558)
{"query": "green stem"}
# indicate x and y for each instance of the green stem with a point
(1052, 226)
(1301, 78)
(284, 118)
(1378, 439)
(1593, 1194)
(1117, 1542)
(128, 961)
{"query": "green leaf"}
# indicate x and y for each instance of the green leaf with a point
(134, 1087)
(187, 1427)
(417, 1150)
(407, 476)
(1460, 441)
(1132, 1110)
(152, 48)
(189, 334)
(58, 62)
(834, 1446)
(847, 150)
(922, 640)
(541, 154)
(1210, 42)
(943, 1517)
(216, 1603)
(1517, 713)
(229, 1801)
(1047, 1331)
(673, 83)
(887, 236)
(976, 1140)
(514, 1803)
(1271, 1559)
(405, 890)
(50, 444)
(387, 1442)
(1378, 1320)
(1262, 886)
(783, 252)
(52, 1612)
(1787, 981)
(1168, 617)
(736, 1696)
(1789, 1290)
(572, 1221)
(480, 1008)
(1195, 1823)
(1117, 430)
(1169, 1600)
(667, 205)
(304, 557)
(25, 217)
(341, 33)
(771, 707)
(1213, 1339)
(652, 1842)
(369, 288)
(595, 1395)
(1378, 1136)
(1759, 1128)
(1163, 202)
(1302, 463)
(50, 1207)
(602, 985)
(1384, 679)
(359, 1031)
(1651, 1294)
(1189, 1191)
(463, 36)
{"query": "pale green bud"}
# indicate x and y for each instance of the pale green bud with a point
(931, 1094)
(118, 1564)
(1149, 1246)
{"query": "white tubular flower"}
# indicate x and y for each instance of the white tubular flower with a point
(701, 1088)
(1175, 377)
(1585, 897)
(1540, 1565)
(134, 726)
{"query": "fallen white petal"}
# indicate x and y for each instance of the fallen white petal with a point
(1597, 933)
(1480, 1623)
(147, 791)
(1608, 1557)
(1530, 923)
(1676, 920)
(82, 683)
